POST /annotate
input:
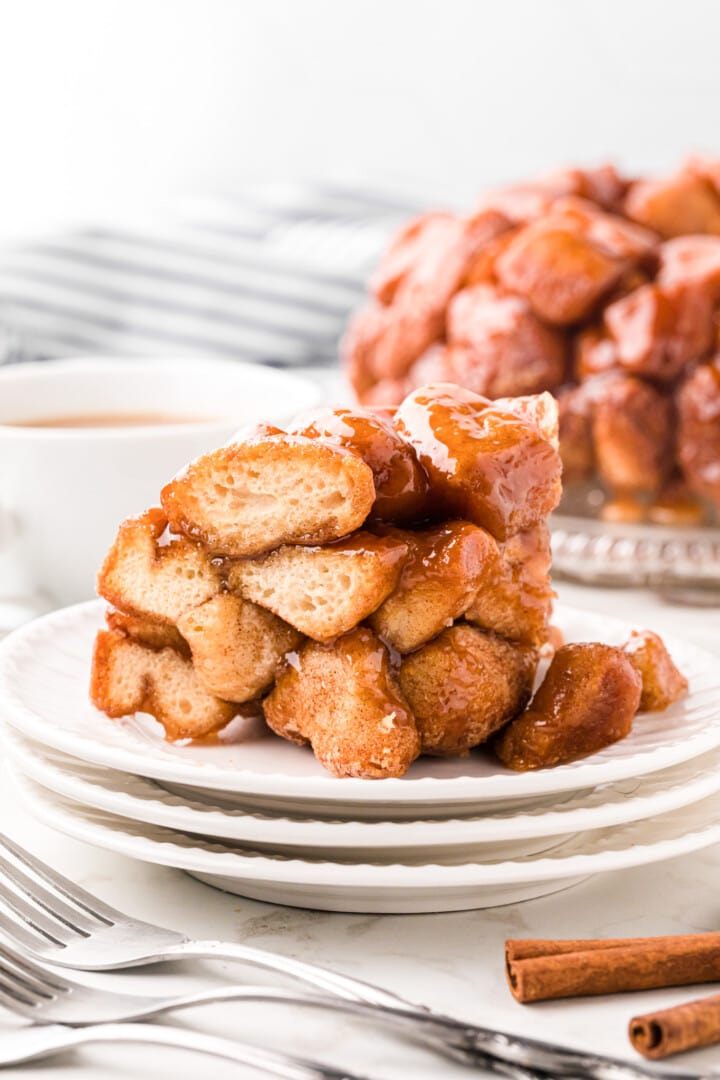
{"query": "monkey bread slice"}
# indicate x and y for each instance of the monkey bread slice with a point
(586, 702)
(153, 573)
(156, 635)
(400, 483)
(438, 583)
(236, 646)
(515, 596)
(662, 683)
(463, 686)
(249, 497)
(484, 464)
(344, 700)
(322, 591)
(128, 677)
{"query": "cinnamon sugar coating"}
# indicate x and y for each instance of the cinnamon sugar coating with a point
(464, 685)
(662, 682)
(586, 702)
(343, 699)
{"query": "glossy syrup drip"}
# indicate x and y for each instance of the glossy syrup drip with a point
(401, 485)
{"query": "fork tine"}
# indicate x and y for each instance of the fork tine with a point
(13, 998)
(9, 954)
(72, 892)
(19, 989)
(52, 931)
(53, 906)
(21, 933)
(9, 969)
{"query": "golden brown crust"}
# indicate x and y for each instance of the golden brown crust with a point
(632, 431)
(685, 203)
(514, 597)
(156, 635)
(560, 273)
(128, 677)
(322, 591)
(662, 682)
(439, 580)
(484, 465)
(658, 329)
(237, 647)
(498, 342)
(587, 701)
(343, 699)
(152, 573)
(463, 686)
(400, 483)
(249, 497)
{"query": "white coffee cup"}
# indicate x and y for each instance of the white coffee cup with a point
(64, 490)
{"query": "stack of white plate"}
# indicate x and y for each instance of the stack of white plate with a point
(259, 817)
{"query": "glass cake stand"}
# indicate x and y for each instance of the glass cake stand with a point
(682, 562)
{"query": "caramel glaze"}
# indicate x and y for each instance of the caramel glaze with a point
(484, 465)
(433, 552)
(587, 701)
(464, 685)
(400, 483)
(514, 597)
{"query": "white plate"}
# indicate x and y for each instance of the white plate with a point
(517, 832)
(399, 887)
(44, 675)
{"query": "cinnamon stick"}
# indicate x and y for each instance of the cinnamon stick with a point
(683, 1027)
(543, 970)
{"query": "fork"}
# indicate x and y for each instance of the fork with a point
(51, 998)
(58, 922)
(65, 925)
(31, 1044)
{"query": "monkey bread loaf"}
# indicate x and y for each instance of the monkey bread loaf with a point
(375, 584)
(601, 289)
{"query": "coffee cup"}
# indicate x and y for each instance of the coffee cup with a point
(65, 486)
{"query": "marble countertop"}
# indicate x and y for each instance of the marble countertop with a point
(453, 962)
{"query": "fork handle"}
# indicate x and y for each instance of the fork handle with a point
(322, 978)
(30, 1044)
(469, 1042)
(499, 1052)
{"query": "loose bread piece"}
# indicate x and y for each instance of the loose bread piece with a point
(156, 635)
(322, 591)
(463, 686)
(400, 483)
(251, 496)
(236, 646)
(515, 595)
(587, 701)
(128, 677)
(156, 574)
(438, 583)
(485, 465)
(344, 700)
(662, 682)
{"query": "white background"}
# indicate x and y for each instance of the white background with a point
(113, 105)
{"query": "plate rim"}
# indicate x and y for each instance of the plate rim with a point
(324, 788)
(260, 867)
(513, 824)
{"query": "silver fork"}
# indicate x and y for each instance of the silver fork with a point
(58, 922)
(62, 923)
(48, 997)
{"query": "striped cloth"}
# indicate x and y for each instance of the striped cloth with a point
(269, 276)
